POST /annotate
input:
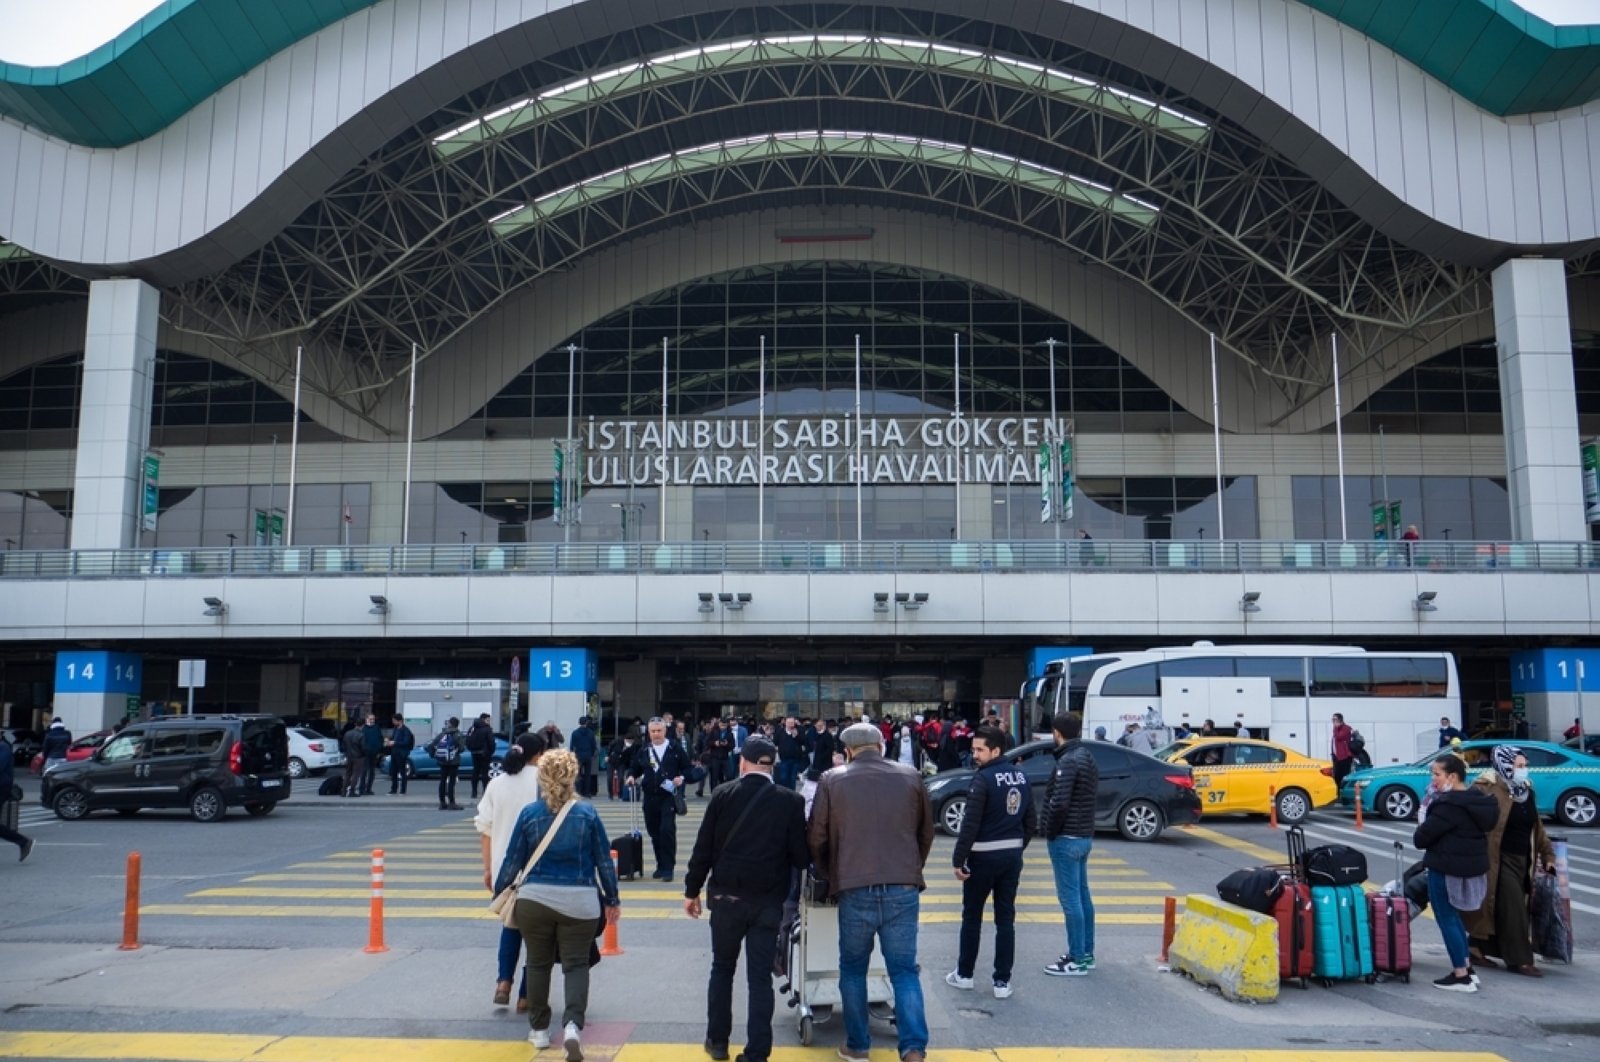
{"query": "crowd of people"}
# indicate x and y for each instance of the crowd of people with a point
(849, 812)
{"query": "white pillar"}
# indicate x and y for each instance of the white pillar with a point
(119, 354)
(1543, 467)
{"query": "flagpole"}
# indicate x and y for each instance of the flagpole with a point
(761, 444)
(1055, 446)
(411, 425)
(1216, 435)
(860, 469)
(664, 438)
(957, 528)
(294, 446)
(1338, 436)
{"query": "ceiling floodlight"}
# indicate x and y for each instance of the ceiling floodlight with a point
(705, 602)
(1424, 601)
(880, 602)
(380, 605)
(215, 606)
(1250, 602)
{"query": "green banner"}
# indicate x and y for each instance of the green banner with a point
(1066, 479)
(1380, 520)
(275, 530)
(152, 493)
(1591, 480)
(260, 536)
(560, 484)
(1047, 482)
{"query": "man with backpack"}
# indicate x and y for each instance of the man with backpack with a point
(480, 742)
(446, 752)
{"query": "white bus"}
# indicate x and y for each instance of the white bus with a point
(1281, 693)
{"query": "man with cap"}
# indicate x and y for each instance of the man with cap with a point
(871, 830)
(751, 840)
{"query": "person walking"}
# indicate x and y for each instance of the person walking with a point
(1067, 824)
(8, 779)
(995, 828)
(480, 743)
(354, 746)
(1344, 759)
(871, 830)
(791, 752)
(504, 797)
(1517, 846)
(584, 745)
(1447, 732)
(1455, 845)
(371, 749)
(619, 758)
(57, 740)
(401, 742)
(752, 839)
(445, 749)
(720, 743)
(659, 767)
(558, 902)
(552, 735)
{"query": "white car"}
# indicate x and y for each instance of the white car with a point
(311, 752)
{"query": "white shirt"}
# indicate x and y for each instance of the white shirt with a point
(501, 805)
(907, 753)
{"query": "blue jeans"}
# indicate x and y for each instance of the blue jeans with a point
(1069, 856)
(888, 912)
(510, 951)
(1451, 927)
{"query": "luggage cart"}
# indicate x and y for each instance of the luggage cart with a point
(812, 966)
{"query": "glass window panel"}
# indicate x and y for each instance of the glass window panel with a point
(1335, 676)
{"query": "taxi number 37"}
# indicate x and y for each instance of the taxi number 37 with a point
(1216, 796)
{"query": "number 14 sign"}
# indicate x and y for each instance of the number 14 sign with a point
(559, 670)
(98, 672)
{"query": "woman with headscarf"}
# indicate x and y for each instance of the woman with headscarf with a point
(1502, 926)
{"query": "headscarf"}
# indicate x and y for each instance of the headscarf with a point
(1505, 761)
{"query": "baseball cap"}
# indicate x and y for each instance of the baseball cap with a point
(760, 751)
(860, 734)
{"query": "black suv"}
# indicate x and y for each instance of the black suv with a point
(205, 763)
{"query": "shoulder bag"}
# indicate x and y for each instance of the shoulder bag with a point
(505, 902)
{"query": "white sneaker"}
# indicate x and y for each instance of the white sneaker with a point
(1002, 990)
(955, 980)
(569, 1037)
(539, 1038)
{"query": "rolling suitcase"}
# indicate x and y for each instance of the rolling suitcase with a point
(1343, 937)
(1293, 910)
(1390, 916)
(630, 846)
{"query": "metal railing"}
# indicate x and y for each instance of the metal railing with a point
(635, 558)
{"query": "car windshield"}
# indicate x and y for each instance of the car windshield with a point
(309, 735)
(1167, 752)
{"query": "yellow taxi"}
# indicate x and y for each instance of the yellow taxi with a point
(1242, 775)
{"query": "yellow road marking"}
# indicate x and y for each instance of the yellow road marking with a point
(402, 893)
(632, 913)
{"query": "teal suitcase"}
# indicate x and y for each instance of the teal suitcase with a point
(1342, 934)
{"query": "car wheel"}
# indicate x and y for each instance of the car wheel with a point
(496, 767)
(1577, 808)
(951, 815)
(258, 810)
(1140, 821)
(297, 767)
(206, 805)
(1293, 806)
(70, 804)
(1397, 802)
(127, 812)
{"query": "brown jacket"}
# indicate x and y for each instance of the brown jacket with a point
(1480, 923)
(871, 824)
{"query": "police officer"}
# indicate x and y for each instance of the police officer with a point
(752, 838)
(988, 857)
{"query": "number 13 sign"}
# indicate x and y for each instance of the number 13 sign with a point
(556, 670)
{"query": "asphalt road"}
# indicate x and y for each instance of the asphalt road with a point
(256, 926)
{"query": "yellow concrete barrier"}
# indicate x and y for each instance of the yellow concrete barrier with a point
(1219, 944)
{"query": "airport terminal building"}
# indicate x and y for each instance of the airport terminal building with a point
(815, 358)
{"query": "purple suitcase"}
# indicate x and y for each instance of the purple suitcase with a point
(1390, 918)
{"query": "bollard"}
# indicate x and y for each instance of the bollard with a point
(130, 906)
(1169, 924)
(1360, 823)
(609, 945)
(375, 922)
(1272, 806)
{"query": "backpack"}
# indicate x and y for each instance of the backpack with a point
(1357, 742)
(1335, 864)
(1255, 889)
(447, 747)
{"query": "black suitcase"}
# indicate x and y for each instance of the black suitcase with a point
(1335, 864)
(630, 846)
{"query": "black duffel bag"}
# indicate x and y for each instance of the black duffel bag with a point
(1254, 889)
(1335, 864)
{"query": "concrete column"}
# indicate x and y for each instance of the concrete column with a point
(1275, 508)
(119, 355)
(1534, 333)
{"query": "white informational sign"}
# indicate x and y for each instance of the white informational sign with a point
(449, 684)
(191, 674)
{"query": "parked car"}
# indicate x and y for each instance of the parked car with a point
(25, 744)
(1236, 775)
(1591, 744)
(1139, 796)
(80, 749)
(205, 763)
(312, 753)
(425, 766)
(1566, 782)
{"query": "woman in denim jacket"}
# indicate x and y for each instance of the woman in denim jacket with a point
(558, 904)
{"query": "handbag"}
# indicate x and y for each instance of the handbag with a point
(679, 803)
(504, 903)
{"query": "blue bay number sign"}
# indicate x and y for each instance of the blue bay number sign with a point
(563, 670)
(98, 672)
(1555, 671)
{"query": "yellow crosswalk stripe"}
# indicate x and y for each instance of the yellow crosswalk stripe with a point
(661, 913)
(402, 893)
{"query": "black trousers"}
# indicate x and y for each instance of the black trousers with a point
(369, 773)
(353, 766)
(447, 783)
(661, 822)
(480, 774)
(398, 765)
(996, 873)
(752, 926)
(1342, 769)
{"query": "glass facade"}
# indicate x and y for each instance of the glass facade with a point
(1442, 507)
(35, 519)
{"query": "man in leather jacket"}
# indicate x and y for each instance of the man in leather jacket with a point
(871, 831)
(1067, 823)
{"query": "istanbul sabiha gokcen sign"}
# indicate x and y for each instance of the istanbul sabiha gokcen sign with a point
(813, 450)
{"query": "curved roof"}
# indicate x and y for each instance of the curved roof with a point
(1491, 52)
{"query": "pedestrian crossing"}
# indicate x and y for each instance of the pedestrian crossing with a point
(436, 873)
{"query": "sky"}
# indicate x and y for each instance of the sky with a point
(50, 32)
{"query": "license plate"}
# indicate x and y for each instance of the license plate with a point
(1202, 782)
(270, 783)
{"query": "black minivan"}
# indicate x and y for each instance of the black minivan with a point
(205, 763)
